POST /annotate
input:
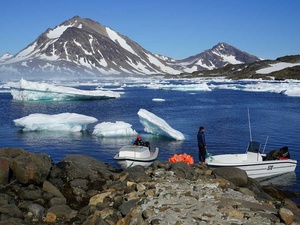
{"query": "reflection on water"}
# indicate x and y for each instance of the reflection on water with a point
(287, 179)
(37, 137)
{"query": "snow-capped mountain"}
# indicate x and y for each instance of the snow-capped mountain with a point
(217, 57)
(5, 57)
(84, 47)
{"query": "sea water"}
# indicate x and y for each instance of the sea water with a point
(274, 121)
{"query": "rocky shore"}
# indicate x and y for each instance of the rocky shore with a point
(84, 190)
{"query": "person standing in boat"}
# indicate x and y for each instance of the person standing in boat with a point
(201, 145)
(139, 141)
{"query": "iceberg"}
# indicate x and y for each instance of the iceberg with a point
(117, 129)
(59, 122)
(35, 91)
(155, 125)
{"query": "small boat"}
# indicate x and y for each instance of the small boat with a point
(253, 162)
(133, 155)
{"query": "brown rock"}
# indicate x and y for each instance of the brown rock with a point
(4, 171)
(30, 167)
(50, 218)
(288, 204)
(286, 215)
(49, 187)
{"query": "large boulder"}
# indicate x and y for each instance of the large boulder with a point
(27, 167)
(235, 175)
(83, 166)
(183, 170)
(30, 167)
(136, 174)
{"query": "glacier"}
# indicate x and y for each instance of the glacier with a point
(117, 129)
(156, 125)
(36, 91)
(72, 122)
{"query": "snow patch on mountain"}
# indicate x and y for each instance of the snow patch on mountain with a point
(119, 40)
(227, 58)
(58, 31)
(276, 67)
(5, 57)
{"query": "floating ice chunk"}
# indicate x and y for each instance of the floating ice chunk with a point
(64, 122)
(158, 100)
(292, 91)
(155, 125)
(36, 91)
(117, 129)
(181, 87)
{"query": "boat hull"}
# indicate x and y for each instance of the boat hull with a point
(130, 156)
(127, 163)
(254, 169)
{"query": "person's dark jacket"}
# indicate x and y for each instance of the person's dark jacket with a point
(201, 139)
(139, 142)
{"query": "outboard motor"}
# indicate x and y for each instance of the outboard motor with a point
(147, 144)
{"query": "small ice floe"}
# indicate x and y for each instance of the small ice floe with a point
(72, 122)
(158, 100)
(117, 129)
(155, 125)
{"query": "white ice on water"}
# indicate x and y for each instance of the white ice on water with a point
(72, 122)
(36, 91)
(117, 129)
(155, 125)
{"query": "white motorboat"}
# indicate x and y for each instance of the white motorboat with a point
(133, 155)
(253, 162)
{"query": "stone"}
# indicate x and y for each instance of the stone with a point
(183, 170)
(50, 218)
(126, 207)
(94, 220)
(235, 175)
(286, 215)
(86, 167)
(57, 201)
(4, 199)
(62, 211)
(49, 187)
(30, 167)
(99, 198)
(36, 210)
(136, 174)
(30, 193)
(289, 204)
(80, 183)
(4, 171)
(12, 210)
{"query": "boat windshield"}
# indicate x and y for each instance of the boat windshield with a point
(254, 146)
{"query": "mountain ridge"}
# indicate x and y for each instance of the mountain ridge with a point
(83, 47)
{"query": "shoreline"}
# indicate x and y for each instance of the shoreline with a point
(83, 190)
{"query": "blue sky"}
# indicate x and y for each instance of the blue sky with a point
(178, 29)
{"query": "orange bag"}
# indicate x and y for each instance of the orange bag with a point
(182, 158)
